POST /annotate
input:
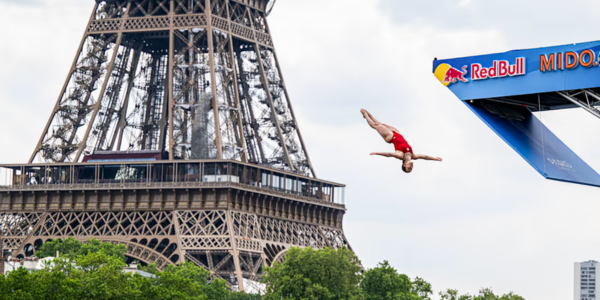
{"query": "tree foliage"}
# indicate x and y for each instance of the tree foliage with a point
(310, 274)
(451, 294)
(99, 275)
(67, 248)
(94, 270)
(71, 248)
(422, 288)
(384, 283)
(484, 294)
(151, 268)
(244, 296)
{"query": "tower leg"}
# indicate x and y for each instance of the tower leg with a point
(235, 253)
(98, 104)
(1, 256)
(178, 235)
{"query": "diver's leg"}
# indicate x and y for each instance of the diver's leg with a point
(367, 113)
(384, 131)
(392, 128)
(372, 122)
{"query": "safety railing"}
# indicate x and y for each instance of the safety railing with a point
(164, 185)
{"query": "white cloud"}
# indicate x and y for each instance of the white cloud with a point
(464, 2)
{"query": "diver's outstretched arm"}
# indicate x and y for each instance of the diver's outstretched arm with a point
(399, 156)
(425, 157)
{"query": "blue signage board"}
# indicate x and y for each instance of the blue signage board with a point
(526, 72)
(519, 72)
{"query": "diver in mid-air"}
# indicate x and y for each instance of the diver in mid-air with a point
(391, 135)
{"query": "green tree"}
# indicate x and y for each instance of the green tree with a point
(384, 283)
(18, 285)
(71, 248)
(484, 294)
(451, 294)
(67, 247)
(94, 245)
(101, 277)
(488, 294)
(98, 275)
(151, 268)
(422, 288)
(315, 274)
(55, 281)
(244, 296)
(187, 279)
(511, 296)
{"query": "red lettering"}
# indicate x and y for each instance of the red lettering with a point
(512, 70)
(502, 70)
(483, 73)
(475, 71)
(521, 65)
(492, 72)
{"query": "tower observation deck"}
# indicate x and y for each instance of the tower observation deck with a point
(174, 134)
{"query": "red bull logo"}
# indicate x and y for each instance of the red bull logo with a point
(453, 75)
(447, 74)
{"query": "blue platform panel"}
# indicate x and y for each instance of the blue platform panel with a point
(545, 152)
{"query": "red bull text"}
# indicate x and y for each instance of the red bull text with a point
(500, 68)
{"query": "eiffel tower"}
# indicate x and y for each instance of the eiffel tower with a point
(174, 134)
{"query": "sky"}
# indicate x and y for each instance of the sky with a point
(481, 218)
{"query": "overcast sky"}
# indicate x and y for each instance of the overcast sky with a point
(482, 218)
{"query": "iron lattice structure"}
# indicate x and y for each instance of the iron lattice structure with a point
(199, 82)
(197, 79)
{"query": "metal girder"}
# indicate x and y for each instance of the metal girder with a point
(586, 106)
(144, 70)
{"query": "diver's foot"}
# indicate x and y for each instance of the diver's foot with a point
(364, 112)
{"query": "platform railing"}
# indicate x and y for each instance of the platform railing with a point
(165, 185)
(167, 174)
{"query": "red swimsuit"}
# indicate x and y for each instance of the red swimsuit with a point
(400, 144)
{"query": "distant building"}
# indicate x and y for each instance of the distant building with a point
(586, 284)
(31, 264)
(132, 268)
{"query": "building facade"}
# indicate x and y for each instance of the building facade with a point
(585, 286)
